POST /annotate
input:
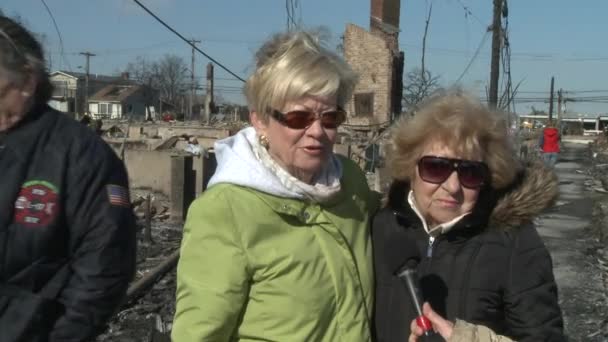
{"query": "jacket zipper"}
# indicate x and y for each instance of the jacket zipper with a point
(429, 248)
(429, 253)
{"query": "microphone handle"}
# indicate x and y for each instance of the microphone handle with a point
(431, 336)
(409, 277)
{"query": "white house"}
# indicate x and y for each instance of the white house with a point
(123, 101)
(69, 88)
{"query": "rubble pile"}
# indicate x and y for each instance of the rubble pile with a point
(598, 182)
(159, 205)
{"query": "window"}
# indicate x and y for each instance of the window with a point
(364, 104)
(105, 108)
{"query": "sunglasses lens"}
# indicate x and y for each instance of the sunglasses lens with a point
(333, 119)
(299, 119)
(434, 170)
(471, 174)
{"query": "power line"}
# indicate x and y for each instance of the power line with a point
(65, 60)
(586, 91)
(535, 56)
(587, 59)
(481, 44)
(468, 12)
(159, 45)
(187, 41)
(565, 91)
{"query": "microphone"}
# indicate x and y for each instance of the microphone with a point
(402, 258)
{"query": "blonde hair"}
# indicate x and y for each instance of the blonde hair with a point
(460, 122)
(292, 65)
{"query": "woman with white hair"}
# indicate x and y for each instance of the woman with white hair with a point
(278, 247)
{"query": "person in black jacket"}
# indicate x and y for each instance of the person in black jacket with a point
(67, 230)
(462, 195)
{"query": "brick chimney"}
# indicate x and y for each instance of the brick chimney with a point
(384, 21)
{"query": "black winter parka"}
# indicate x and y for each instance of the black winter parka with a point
(492, 268)
(67, 231)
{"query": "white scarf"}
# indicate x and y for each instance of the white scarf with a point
(327, 182)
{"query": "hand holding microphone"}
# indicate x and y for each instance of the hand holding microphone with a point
(402, 257)
(441, 325)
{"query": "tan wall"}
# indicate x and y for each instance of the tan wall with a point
(152, 170)
(166, 131)
(370, 57)
(342, 149)
(149, 169)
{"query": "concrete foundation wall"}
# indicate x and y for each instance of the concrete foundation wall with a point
(149, 169)
(152, 170)
(165, 131)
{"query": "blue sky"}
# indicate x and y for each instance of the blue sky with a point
(561, 38)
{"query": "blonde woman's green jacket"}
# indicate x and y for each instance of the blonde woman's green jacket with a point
(256, 267)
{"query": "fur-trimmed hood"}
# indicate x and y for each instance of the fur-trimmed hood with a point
(534, 189)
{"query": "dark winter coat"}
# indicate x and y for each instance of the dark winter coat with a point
(492, 268)
(67, 233)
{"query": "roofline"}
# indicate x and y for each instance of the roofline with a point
(109, 101)
(63, 73)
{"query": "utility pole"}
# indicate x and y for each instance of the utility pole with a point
(551, 99)
(88, 56)
(559, 104)
(209, 96)
(496, 45)
(193, 84)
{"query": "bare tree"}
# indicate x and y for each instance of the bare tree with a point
(419, 83)
(169, 76)
(426, 31)
(141, 71)
(418, 86)
(172, 77)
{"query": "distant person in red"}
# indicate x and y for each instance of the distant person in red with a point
(549, 144)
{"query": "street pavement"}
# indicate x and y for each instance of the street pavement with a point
(565, 230)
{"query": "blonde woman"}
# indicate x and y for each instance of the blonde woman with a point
(278, 247)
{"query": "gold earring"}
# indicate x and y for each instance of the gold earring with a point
(264, 141)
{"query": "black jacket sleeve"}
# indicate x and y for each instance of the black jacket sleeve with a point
(531, 304)
(102, 241)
